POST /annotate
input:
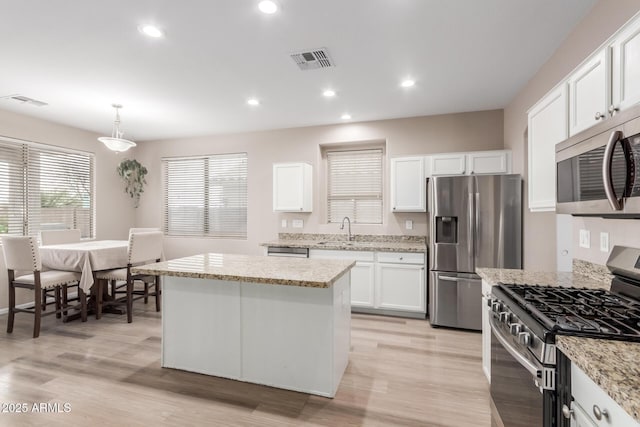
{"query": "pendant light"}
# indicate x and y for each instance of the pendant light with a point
(115, 142)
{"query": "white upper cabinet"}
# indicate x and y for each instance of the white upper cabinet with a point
(292, 187)
(625, 76)
(448, 164)
(588, 93)
(547, 127)
(408, 184)
(489, 162)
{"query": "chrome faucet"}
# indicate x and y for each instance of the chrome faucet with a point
(350, 237)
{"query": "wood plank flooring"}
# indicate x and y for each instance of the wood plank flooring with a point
(401, 372)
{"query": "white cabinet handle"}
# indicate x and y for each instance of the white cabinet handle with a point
(599, 115)
(613, 110)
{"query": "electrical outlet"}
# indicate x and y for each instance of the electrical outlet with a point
(604, 242)
(297, 223)
(585, 239)
(284, 223)
(408, 224)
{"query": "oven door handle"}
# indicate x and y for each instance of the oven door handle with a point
(531, 367)
(614, 201)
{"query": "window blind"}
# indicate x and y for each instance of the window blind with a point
(43, 187)
(206, 196)
(354, 182)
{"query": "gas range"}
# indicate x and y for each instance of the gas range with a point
(525, 320)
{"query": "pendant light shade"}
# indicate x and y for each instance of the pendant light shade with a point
(115, 142)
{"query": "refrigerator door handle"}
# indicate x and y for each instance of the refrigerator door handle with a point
(476, 229)
(449, 278)
(471, 237)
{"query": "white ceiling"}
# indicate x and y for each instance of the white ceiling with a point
(82, 56)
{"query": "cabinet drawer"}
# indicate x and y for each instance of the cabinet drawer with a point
(401, 257)
(338, 254)
(589, 395)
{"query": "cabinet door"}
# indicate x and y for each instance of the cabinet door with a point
(292, 187)
(626, 67)
(408, 185)
(401, 287)
(579, 417)
(588, 92)
(489, 162)
(362, 285)
(448, 164)
(547, 127)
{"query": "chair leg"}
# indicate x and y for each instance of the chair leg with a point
(65, 302)
(99, 290)
(44, 300)
(113, 289)
(158, 293)
(12, 308)
(129, 301)
(58, 303)
(146, 292)
(82, 296)
(37, 311)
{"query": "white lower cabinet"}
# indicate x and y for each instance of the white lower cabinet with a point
(362, 284)
(384, 281)
(592, 406)
(400, 285)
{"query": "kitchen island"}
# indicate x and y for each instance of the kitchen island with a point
(281, 322)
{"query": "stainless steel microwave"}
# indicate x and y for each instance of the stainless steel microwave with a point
(598, 170)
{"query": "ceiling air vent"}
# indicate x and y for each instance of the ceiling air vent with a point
(25, 100)
(313, 59)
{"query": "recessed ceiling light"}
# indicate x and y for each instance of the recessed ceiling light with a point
(268, 6)
(253, 102)
(329, 93)
(346, 116)
(408, 83)
(151, 31)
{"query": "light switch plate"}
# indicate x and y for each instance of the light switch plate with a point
(284, 223)
(297, 223)
(585, 239)
(604, 242)
(408, 224)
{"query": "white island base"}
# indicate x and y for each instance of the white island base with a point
(291, 337)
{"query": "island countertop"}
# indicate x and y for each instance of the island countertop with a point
(305, 272)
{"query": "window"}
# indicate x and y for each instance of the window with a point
(354, 186)
(44, 188)
(206, 196)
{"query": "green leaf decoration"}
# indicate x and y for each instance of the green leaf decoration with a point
(133, 175)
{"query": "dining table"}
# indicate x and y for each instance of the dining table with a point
(86, 257)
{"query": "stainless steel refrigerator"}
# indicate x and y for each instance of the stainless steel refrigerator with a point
(474, 221)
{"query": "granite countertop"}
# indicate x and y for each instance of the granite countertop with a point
(613, 365)
(314, 273)
(372, 243)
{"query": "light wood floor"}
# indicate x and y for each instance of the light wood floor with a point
(401, 372)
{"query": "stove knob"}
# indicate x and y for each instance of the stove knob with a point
(524, 338)
(505, 317)
(496, 307)
(515, 329)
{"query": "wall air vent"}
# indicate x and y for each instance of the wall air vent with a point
(313, 59)
(25, 100)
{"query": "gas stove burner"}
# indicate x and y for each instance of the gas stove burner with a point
(579, 311)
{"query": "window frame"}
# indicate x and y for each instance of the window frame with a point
(208, 207)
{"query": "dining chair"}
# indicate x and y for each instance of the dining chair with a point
(21, 253)
(57, 237)
(145, 247)
(115, 289)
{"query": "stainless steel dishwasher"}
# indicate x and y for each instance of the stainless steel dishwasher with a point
(285, 251)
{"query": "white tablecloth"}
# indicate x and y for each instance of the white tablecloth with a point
(85, 257)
